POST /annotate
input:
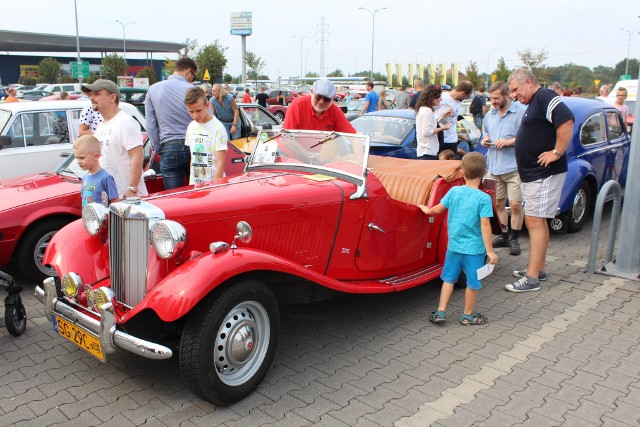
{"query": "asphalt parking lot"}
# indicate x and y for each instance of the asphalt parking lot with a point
(567, 355)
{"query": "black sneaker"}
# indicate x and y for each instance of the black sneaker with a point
(500, 242)
(542, 276)
(523, 284)
(514, 247)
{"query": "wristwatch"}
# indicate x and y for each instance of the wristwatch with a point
(557, 153)
(133, 189)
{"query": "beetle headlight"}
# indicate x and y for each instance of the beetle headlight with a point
(71, 284)
(168, 238)
(94, 218)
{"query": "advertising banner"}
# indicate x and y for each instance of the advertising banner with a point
(411, 72)
(32, 71)
(241, 24)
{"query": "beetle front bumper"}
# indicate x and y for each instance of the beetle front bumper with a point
(104, 328)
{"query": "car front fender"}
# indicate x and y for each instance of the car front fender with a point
(188, 284)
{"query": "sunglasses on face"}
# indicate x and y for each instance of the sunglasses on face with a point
(322, 98)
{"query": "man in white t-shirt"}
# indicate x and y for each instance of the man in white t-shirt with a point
(206, 138)
(451, 101)
(120, 137)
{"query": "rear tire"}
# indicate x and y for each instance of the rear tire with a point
(580, 208)
(279, 115)
(33, 245)
(229, 341)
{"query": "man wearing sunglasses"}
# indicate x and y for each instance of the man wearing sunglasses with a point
(167, 121)
(318, 111)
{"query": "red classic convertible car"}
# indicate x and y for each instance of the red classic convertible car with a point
(201, 271)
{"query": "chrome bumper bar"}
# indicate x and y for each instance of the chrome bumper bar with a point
(105, 328)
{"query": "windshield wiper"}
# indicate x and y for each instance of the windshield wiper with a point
(331, 136)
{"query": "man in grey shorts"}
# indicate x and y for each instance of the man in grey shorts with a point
(500, 127)
(541, 142)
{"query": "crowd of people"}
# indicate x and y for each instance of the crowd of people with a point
(526, 133)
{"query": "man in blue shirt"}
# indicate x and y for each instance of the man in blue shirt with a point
(501, 125)
(371, 100)
(167, 121)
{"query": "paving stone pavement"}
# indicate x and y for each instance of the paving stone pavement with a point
(567, 355)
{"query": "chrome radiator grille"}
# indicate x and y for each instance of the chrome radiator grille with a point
(128, 256)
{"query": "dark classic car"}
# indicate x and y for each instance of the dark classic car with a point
(598, 152)
(200, 272)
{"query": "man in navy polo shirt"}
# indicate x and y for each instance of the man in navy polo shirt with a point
(541, 143)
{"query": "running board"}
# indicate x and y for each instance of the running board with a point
(413, 276)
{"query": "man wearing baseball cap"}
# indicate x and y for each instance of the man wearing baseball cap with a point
(317, 112)
(120, 137)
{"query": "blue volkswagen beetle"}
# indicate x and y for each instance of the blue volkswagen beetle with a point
(598, 152)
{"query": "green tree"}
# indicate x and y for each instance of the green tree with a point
(255, 64)
(312, 74)
(112, 67)
(604, 74)
(502, 72)
(474, 76)
(211, 57)
(149, 73)
(534, 61)
(50, 71)
(190, 48)
(227, 78)
(337, 73)
(27, 81)
(618, 69)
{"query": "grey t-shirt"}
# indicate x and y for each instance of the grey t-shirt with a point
(402, 99)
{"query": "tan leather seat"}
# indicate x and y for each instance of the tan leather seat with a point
(410, 181)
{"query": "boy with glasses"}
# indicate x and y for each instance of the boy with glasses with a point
(318, 111)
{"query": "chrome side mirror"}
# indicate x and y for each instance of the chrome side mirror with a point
(244, 233)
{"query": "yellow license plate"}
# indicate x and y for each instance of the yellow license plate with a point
(79, 336)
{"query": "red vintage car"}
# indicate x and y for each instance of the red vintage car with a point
(201, 272)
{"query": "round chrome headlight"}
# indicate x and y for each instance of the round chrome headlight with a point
(71, 284)
(94, 218)
(168, 238)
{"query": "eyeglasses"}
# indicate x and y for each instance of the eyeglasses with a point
(322, 98)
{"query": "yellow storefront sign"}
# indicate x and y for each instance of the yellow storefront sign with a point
(32, 71)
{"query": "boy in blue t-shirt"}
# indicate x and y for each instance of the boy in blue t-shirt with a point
(95, 180)
(469, 238)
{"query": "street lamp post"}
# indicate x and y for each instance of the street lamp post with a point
(301, 39)
(373, 31)
(124, 42)
(631, 33)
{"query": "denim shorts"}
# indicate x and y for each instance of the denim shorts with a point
(455, 262)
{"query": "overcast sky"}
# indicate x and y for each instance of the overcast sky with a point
(585, 32)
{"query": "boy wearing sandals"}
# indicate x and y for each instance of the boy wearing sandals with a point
(469, 238)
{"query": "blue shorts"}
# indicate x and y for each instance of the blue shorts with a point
(455, 262)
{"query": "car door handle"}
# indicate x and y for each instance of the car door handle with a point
(372, 227)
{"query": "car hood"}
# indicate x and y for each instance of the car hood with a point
(247, 194)
(24, 190)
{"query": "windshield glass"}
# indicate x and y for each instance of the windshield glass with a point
(69, 167)
(326, 153)
(384, 129)
(355, 105)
